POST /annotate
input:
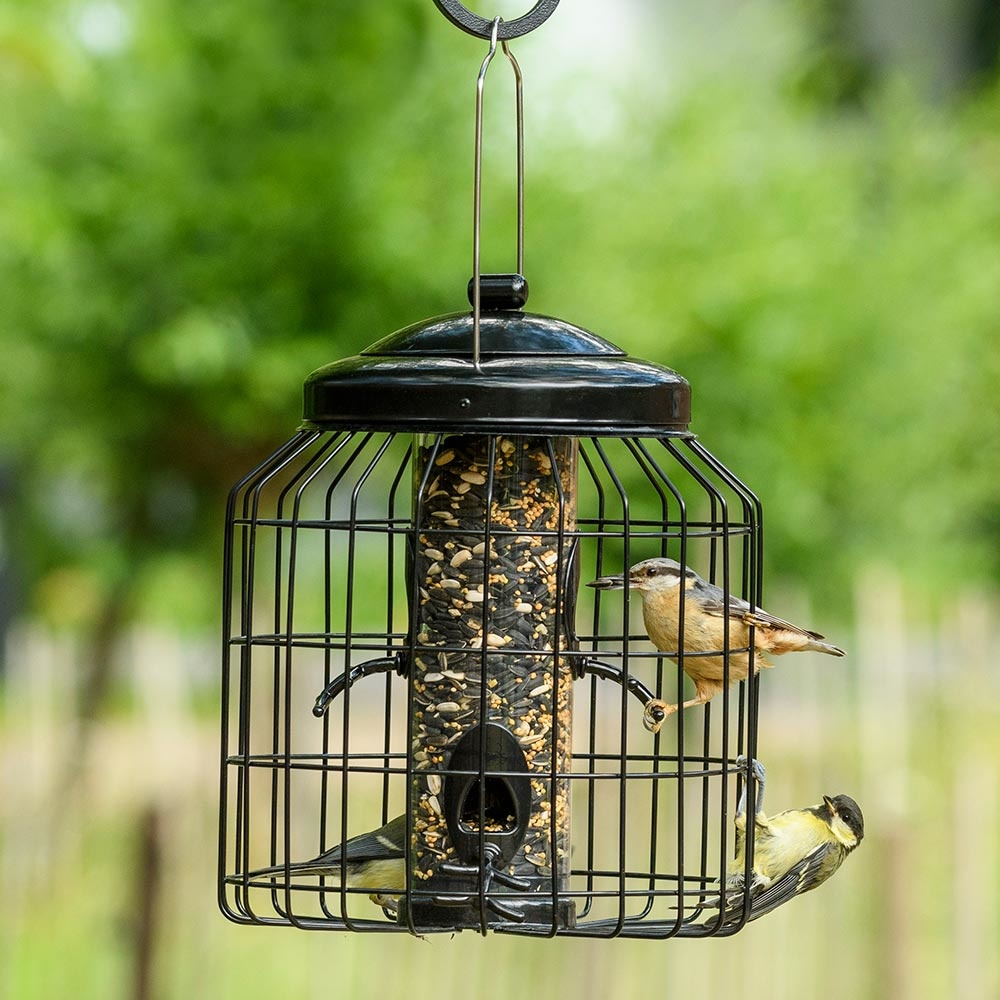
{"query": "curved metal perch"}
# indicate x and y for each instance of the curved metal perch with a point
(635, 687)
(382, 665)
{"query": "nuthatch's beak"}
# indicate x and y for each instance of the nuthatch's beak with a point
(608, 583)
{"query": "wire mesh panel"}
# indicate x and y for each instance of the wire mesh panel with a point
(658, 806)
(408, 635)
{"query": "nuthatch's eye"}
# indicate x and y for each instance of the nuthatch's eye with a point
(650, 571)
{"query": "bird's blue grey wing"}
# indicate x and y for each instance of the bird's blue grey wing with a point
(760, 618)
(712, 600)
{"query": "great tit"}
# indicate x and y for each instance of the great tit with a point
(374, 860)
(794, 851)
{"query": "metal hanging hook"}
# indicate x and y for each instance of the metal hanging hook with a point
(478, 178)
(481, 27)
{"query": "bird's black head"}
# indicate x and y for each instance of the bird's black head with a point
(845, 818)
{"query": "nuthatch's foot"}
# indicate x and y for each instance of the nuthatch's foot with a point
(656, 713)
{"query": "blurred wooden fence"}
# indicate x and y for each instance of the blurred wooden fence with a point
(908, 724)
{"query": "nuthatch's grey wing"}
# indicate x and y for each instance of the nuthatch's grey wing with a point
(712, 600)
(760, 618)
(812, 871)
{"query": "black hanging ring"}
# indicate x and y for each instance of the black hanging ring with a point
(463, 18)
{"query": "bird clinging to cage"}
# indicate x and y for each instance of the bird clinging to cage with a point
(794, 851)
(375, 860)
(706, 608)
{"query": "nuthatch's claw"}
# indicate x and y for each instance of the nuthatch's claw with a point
(656, 713)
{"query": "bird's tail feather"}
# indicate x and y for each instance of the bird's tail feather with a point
(297, 868)
(824, 647)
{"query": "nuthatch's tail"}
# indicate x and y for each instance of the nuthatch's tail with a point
(816, 646)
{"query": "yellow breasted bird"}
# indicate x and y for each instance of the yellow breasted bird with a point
(794, 852)
(706, 608)
(374, 860)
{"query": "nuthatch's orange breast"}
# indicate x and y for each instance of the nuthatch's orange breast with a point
(660, 614)
(703, 633)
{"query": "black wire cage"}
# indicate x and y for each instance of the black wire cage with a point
(407, 634)
(429, 722)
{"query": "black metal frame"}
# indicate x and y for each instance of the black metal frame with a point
(480, 27)
(326, 526)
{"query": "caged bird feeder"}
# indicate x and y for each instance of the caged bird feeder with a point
(406, 635)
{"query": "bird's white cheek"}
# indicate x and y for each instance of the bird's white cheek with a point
(844, 833)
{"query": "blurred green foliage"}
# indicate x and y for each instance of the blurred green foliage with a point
(203, 200)
(200, 203)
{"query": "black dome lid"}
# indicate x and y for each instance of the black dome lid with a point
(536, 375)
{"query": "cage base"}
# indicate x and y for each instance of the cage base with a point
(540, 917)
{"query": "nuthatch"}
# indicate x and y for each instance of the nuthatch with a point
(375, 860)
(706, 608)
(794, 851)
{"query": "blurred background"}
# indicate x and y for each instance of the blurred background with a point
(796, 203)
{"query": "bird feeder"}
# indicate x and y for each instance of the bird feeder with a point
(405, 632)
